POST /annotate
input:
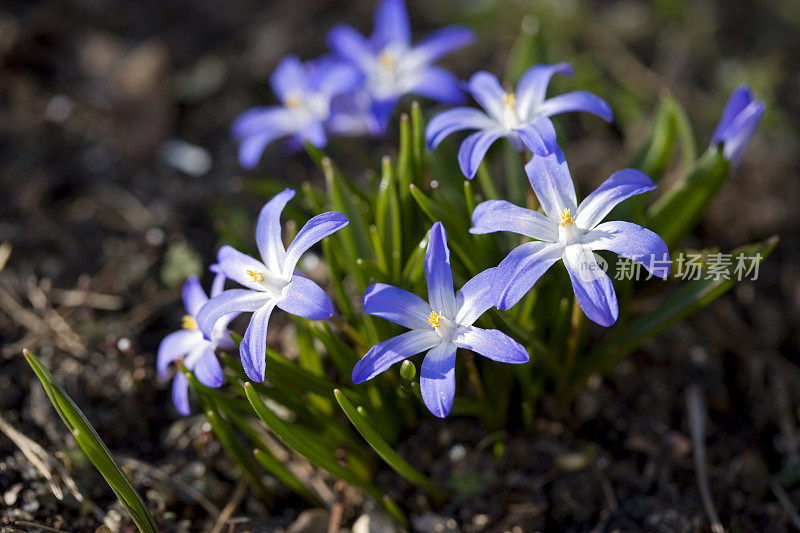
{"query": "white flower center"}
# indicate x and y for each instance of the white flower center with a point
(510, 118)
(444, 327)
(568, 232)
(268, 282)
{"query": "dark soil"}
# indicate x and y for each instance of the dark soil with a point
(102, 220)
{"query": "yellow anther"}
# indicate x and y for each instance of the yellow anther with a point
(188, 322)
(386, 59)
(293, 101)
(566, 218)
(434, 318)
(510, 100)
(256, 276)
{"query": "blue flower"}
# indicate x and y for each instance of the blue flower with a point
(438, 327)
(306, 92)
(738, 124)
(190, 344)
(271, 282)
(571, 232)
(521, 116)
(392, 67)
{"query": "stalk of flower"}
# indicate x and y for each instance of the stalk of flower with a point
(393, 67)
(438, 327)
(308, 94)
(738, 124)
(572, 233)
(271, 281)
(521, 116)
(196, 350)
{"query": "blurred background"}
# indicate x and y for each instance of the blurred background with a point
(118, 178)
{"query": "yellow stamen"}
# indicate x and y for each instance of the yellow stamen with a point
(386, 60)
(256, 276)
(293, 101)
(434, 318)
(510, 100)
(566, 218)
(188, 322)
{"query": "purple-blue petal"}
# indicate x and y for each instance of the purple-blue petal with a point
(290, 77)
(492, 344)
(253, 348)
(476, 297)
(620, 186)
(230, 301)
(208, 370)
(741, 97)
(303, 297)
(193, 295)
(314, 231)
(499, 215)
(351, 45)
(532, 86)
(592, 287)
(396, 305)
(521, 269)
(539, 136)
(633, 242)
(741, 130)
(251, 147)
(236, 266)
(180, 394)
(485, 88)
(384, 354)
(577, 101)
(437, 379)
(268, 228)
(453, 120)
(552, 183)
(175, 345)
(391, 24)
(438, 273)
(473, 149)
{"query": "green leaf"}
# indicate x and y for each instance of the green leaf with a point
(94, 448)
(678, 210)
(382, 448)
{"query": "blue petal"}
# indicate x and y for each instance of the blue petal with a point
(391, 24)
(289, 78)
(539, 136)
(439, 85)
(486, 90)
(452, 120)
(742, 130)
(193, 295)
(218, 285)
(521, 269)
(593, 288)
(474, 148)
(396, 305)
(532, 86)
(741, 97)
(303, 297)
(180, 394)
(261, 120)
(268, 229)
(491, 343)
(252, 146)
(499, 215)
(331, 76)
(236, 266)
(386, 353)
(437, 379)
(552, 183)
(476, 297)
(620, 186)
(314, 132)
(175, 345)
(314, 231)
(351, 45)
(438, 274)
(443, 41)
(208, 370)
(577, 101)
(253, 348)
(230, 301)
(633, 242)
(382, 111)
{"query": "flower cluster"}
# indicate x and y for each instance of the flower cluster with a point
(355, 90)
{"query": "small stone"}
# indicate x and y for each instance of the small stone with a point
(433, 523)
(188, 158)
(375, 523)
(11, 495)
